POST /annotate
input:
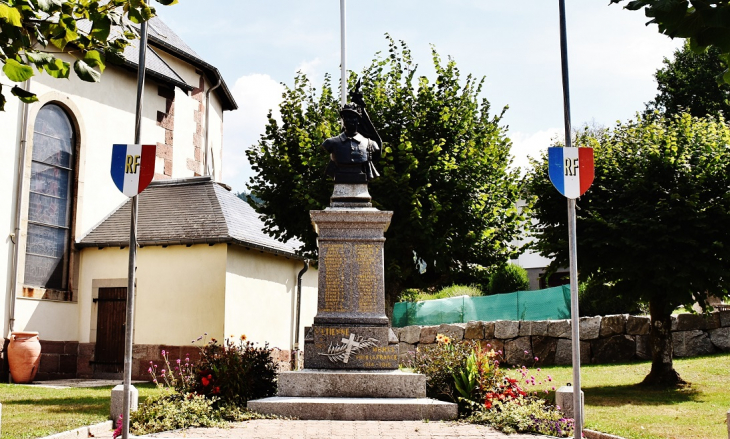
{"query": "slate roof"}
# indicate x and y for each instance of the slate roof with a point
(188, 211)
(161, 37)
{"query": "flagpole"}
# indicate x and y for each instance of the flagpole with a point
(572, 237)
(129, 330)
(343, 56)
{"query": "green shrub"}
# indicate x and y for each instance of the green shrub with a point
(525, 415)
(439, 363)
(596, 298)
(508, 279)
(173, 411)
(235, 373)
(415, 295)
(461, 290)
(410, 295)
(469, 374)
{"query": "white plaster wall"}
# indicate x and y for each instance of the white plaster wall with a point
(9, 151)
(215, 137)
(183, 130)
(261, 297)
(182, 68)
(58, 321)
(179, 293)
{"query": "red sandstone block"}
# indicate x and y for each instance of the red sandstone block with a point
(196, 153)
(49, 363)
(52, 347)
(71, 348)
(84, 369)
(193, 165)
(68, 364)
(168, 137)
(168, 167)
(166, 121)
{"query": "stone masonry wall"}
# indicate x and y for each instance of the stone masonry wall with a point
(608, 339)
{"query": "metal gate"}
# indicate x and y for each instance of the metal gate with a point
(110, 323)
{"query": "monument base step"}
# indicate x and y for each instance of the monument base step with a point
(352, 384)
(356, 409)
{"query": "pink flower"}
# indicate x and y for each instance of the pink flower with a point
(149, 370)
(178, 361)
(537, 359)
(163, 352)
(525, 352)
(163, 371)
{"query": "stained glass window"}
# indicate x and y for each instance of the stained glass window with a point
(50, 200)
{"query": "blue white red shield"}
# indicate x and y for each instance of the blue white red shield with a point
(133, 167)
(571, 170)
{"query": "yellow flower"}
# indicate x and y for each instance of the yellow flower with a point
(491, 354)
(243, 337)
(440, 338)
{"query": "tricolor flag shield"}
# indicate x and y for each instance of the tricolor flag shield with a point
(133, 167)
(571, 170)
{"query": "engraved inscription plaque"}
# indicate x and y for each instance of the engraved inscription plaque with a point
(366, 277)
(334, 264)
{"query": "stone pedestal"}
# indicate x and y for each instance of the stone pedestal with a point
(350, 330)
(350, 352)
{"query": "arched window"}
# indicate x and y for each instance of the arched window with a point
(50, 200)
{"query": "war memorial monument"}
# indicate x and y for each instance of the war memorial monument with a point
(350, 352)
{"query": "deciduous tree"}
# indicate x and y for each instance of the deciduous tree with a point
(33, 32)
(705, 23)
(653, 226)
(444, 170)
(688, 83)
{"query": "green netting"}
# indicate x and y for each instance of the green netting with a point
(547, 304)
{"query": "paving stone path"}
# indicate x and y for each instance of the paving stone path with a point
(287, 429)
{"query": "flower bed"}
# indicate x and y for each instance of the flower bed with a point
(470, 375)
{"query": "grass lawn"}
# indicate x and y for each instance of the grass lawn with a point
(32, 411)
(614, 404)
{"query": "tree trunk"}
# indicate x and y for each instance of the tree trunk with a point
(662, 369)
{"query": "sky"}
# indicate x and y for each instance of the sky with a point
(260, 45)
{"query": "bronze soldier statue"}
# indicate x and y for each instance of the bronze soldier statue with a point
(352, 153)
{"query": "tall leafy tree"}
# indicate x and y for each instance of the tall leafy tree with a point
(653, 225)
(688, 83)
(444, 170)
(705, 23)
(33, 32)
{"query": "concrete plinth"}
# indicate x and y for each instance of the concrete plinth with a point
(352, 384)
(116, 407)
(356, 409)
(386, 395)
(564, 399)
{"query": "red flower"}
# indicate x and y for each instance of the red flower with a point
(205, 381)
(216, 390)
(488, 405)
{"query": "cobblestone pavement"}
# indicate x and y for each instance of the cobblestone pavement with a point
(287, 429)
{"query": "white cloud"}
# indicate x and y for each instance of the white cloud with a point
(255, 94)
(525, 145)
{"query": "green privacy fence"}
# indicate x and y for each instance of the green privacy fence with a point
(547, 304)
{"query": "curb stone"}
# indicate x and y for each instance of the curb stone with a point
(84, 432)
(590, 434)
